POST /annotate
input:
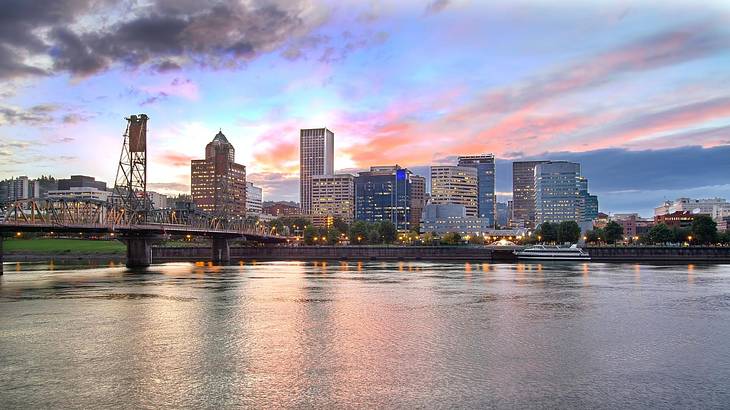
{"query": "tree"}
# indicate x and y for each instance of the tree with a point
(614, 232)
(339, 224)
(595, 236)
(359, 232)
(451, 238)
(333, 236)
(310, 232)
(476, 240)
(548, 232)
(704, 229)
(660, 233)
(387, 231)
(724, 237)
(568, 231)
(681, 234)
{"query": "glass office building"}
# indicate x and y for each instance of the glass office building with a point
(384, 194)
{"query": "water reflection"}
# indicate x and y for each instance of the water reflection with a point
(353, 334)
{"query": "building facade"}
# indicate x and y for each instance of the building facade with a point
(455, 185)
(279, 209)
(217, 183)
(486, 198)
(81, 181)
(557, 192)
(384, 194)
(254, 199)
(80, 194)
(444, 218)
(15, 189)
(316, 157)
(418, 199)
(158, 200)
(676, 219)
(523, 193)
(333, 196)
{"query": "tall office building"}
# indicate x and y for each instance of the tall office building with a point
(217, 183)
(333, 197)
(384, 194)
(487, 200)
(455, 185)
(254, 199)
(316, 157)
(588, 202)
(557, 192)
(523, 193)
(418, 199)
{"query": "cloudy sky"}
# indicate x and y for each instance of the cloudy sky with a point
(639, 93)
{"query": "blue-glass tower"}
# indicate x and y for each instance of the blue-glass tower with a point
(384, 194)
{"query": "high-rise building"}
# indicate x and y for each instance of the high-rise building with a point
(217, 183)
(316, 157)
(254, 199)
(557, 192)
(455, 185)
(333, 197)
(523, 193)
(487, 200)
(588, 202)
(19, 188)
(418, 199)
(384, 194)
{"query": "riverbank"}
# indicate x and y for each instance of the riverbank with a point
(78, 251)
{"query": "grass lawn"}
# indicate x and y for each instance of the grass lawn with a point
(63, 246)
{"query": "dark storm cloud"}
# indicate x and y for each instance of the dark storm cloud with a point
(223, 34)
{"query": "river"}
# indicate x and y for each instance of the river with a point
(378, 335)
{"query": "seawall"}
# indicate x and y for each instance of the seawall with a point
(660, 254)
(331, 252)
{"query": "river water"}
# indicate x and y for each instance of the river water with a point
(378, 335)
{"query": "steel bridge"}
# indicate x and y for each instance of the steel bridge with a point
(128, 214)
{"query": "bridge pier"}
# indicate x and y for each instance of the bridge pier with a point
(1, 254)
(139, 251)
(221, 250)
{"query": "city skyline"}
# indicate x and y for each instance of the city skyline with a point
(633, 93)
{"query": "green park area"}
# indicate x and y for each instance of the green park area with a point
(42, 245)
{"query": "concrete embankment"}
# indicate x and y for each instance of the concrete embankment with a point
(656, 254)
(331, 252)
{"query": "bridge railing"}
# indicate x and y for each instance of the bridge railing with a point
(101, 214)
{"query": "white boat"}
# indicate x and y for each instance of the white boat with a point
(553, 253)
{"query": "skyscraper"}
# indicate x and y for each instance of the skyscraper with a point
(217, 183)
(523, 193)
(487, 201)
(316, 157)
(333, 196)
(557, 192)
(455, 185)
(384, 194)
(418, 199)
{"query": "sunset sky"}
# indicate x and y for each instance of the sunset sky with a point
(638, 92)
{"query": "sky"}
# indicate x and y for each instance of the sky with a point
(638, 92)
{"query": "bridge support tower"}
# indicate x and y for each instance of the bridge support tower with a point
(221, 250)
(139, 251)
